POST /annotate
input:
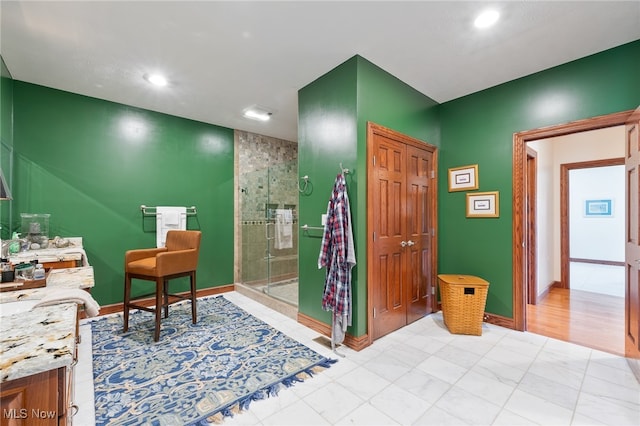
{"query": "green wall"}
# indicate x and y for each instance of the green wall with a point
(479, 128)
(91, 164)
(6, 142)
(475, 129)
(327, 136)
(333, 115)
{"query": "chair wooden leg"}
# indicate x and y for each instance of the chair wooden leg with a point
(127, 298)
(158, 310)
(166, 298)
(193, 297)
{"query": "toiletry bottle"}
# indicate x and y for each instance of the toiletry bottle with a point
(14, 246)
(38, 274)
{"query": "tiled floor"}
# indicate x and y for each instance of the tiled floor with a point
(286, 291)
(423, 375)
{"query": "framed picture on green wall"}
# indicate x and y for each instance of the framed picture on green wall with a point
(463, 178)
(483, 204)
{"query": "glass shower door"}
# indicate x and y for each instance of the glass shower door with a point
(270, 231)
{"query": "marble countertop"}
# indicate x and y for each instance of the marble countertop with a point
(38, 340)
(43, 338)
(81, 277)
(51, 255)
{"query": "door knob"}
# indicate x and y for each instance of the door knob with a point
(403, 243)
(410, 243)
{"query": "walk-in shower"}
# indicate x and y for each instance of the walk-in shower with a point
(269, 228)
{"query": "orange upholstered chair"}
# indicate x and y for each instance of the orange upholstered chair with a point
(179, 258)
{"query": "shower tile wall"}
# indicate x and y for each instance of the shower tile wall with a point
(268, 178)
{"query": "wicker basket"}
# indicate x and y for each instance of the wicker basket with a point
(463, 300)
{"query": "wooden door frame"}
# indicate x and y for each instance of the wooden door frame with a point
(520, 139)
(565, 259)
(532, 223)
(372, 129)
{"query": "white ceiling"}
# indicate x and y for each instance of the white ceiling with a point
(222, 57)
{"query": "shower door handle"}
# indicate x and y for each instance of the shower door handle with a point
(266, 231)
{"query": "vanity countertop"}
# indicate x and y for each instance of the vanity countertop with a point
(38, 340)
(72, 252)
(42, 338)
(81, 277)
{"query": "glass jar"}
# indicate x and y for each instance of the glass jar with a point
(24, 271)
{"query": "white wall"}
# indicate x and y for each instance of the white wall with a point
(544, 214)
(593, 237)
(552, 152)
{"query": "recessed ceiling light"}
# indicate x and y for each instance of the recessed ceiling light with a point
(257, 113)
(156, 79)
(486, 19)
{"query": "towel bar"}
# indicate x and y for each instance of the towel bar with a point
(191, 211)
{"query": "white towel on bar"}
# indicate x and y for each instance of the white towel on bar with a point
(284, 229)
(167, 218)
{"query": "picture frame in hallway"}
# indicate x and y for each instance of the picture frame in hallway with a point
(598, 208)
(463, 178)
(483, 204)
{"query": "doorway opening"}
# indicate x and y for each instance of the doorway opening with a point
(524, 259)
(595, 205)
(577, 251)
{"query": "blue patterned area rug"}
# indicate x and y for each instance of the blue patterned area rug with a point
(197, 374)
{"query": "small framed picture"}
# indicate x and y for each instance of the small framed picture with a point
(483, 204)
(463, 178)
(598, 208)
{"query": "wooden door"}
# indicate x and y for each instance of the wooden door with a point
(632, 240)
(419, 194)
(388, 206)
(401, 222)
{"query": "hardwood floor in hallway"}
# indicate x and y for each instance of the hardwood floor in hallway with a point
(582, 317)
